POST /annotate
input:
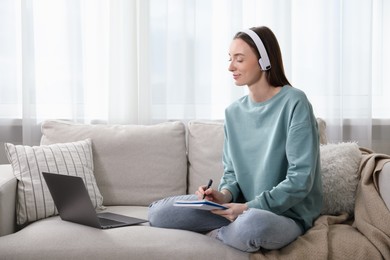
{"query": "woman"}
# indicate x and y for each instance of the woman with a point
(271, 183)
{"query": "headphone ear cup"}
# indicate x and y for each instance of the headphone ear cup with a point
(262, 66)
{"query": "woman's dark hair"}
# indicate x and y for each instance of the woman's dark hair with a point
(275, 75)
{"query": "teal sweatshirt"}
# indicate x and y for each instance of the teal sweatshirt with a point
(271, 156)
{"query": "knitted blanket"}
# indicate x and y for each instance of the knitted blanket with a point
(366, 236)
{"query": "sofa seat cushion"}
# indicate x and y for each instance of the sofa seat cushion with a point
(53, 238)
(134, 164)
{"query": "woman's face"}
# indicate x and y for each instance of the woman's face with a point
(243, 63)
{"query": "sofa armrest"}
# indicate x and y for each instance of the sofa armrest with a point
(8, 185)
(384, 184)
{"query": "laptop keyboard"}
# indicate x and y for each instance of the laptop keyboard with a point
(108, 222)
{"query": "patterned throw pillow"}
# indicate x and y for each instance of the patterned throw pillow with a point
(34, 201)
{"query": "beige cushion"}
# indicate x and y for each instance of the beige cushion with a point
(205, 145)
(34, 200)
(134, 164)
(322, 130)
(53, 238)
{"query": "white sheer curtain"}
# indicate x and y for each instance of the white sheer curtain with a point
(146, 61)
(336, 51)
(72, 59)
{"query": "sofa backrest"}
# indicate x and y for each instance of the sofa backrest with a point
(136, 164)
(133, 164)
(205, 145)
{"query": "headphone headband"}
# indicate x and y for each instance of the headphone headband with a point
(264, 60)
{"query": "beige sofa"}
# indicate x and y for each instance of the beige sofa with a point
(135, 165)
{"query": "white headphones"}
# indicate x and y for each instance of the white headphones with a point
(264, 60)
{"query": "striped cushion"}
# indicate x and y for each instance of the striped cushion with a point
(34, 199)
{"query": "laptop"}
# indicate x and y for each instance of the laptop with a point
(74, 204)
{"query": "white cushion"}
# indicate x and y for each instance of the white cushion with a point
(339, 167)
(34, 200)
(134, 164)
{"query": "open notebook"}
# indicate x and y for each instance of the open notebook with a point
(199, 204)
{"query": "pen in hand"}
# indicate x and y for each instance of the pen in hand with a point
(207, 187)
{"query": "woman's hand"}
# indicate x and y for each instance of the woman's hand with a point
(233, 211)
(210, 194)
(222, 197)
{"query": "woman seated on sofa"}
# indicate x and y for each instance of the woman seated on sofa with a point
(271, 183)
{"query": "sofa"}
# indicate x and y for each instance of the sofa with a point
(130, 166)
